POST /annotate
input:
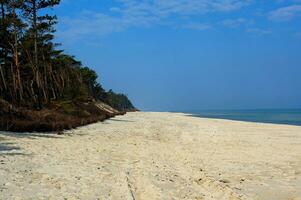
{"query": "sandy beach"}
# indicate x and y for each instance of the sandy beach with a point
(150, 156)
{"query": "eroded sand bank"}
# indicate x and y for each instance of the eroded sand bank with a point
(149, 156)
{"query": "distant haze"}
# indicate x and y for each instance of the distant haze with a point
(184, 55)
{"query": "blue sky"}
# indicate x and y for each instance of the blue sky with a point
(189, 54)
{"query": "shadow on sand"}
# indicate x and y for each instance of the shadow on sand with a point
(10, 148)
(118, 120)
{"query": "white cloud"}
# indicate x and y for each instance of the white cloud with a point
(145, 13)
(285, 13)
(182, 7)
(259, 32)
(197, 26)
(233, 23)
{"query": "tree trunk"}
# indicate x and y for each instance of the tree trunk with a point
(34, 25)
(3, 78)
(14, 82)
(16, 55)
(34, 71)
(35, 30)
(4, 57)
(5, 49)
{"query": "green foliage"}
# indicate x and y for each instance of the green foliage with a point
(33, 72)
(119, 101)
(93, 87)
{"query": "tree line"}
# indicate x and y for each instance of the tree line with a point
(33, 72)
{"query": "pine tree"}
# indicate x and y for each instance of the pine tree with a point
(3, 48)
(40, 26)
(17, 26)
(11, 31)
(33, 73)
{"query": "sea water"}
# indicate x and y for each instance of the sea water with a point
(277, 116)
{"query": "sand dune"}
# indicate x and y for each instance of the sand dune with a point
(149, 156)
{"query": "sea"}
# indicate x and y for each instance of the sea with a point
(276, 116)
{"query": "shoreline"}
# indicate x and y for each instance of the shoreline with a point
(154, 156)
(266, 121)
(242, 121)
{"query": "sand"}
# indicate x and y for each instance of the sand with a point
(151, 156)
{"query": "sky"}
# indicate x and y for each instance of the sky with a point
(177, 55)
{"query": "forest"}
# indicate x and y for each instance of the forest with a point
(37, 76)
